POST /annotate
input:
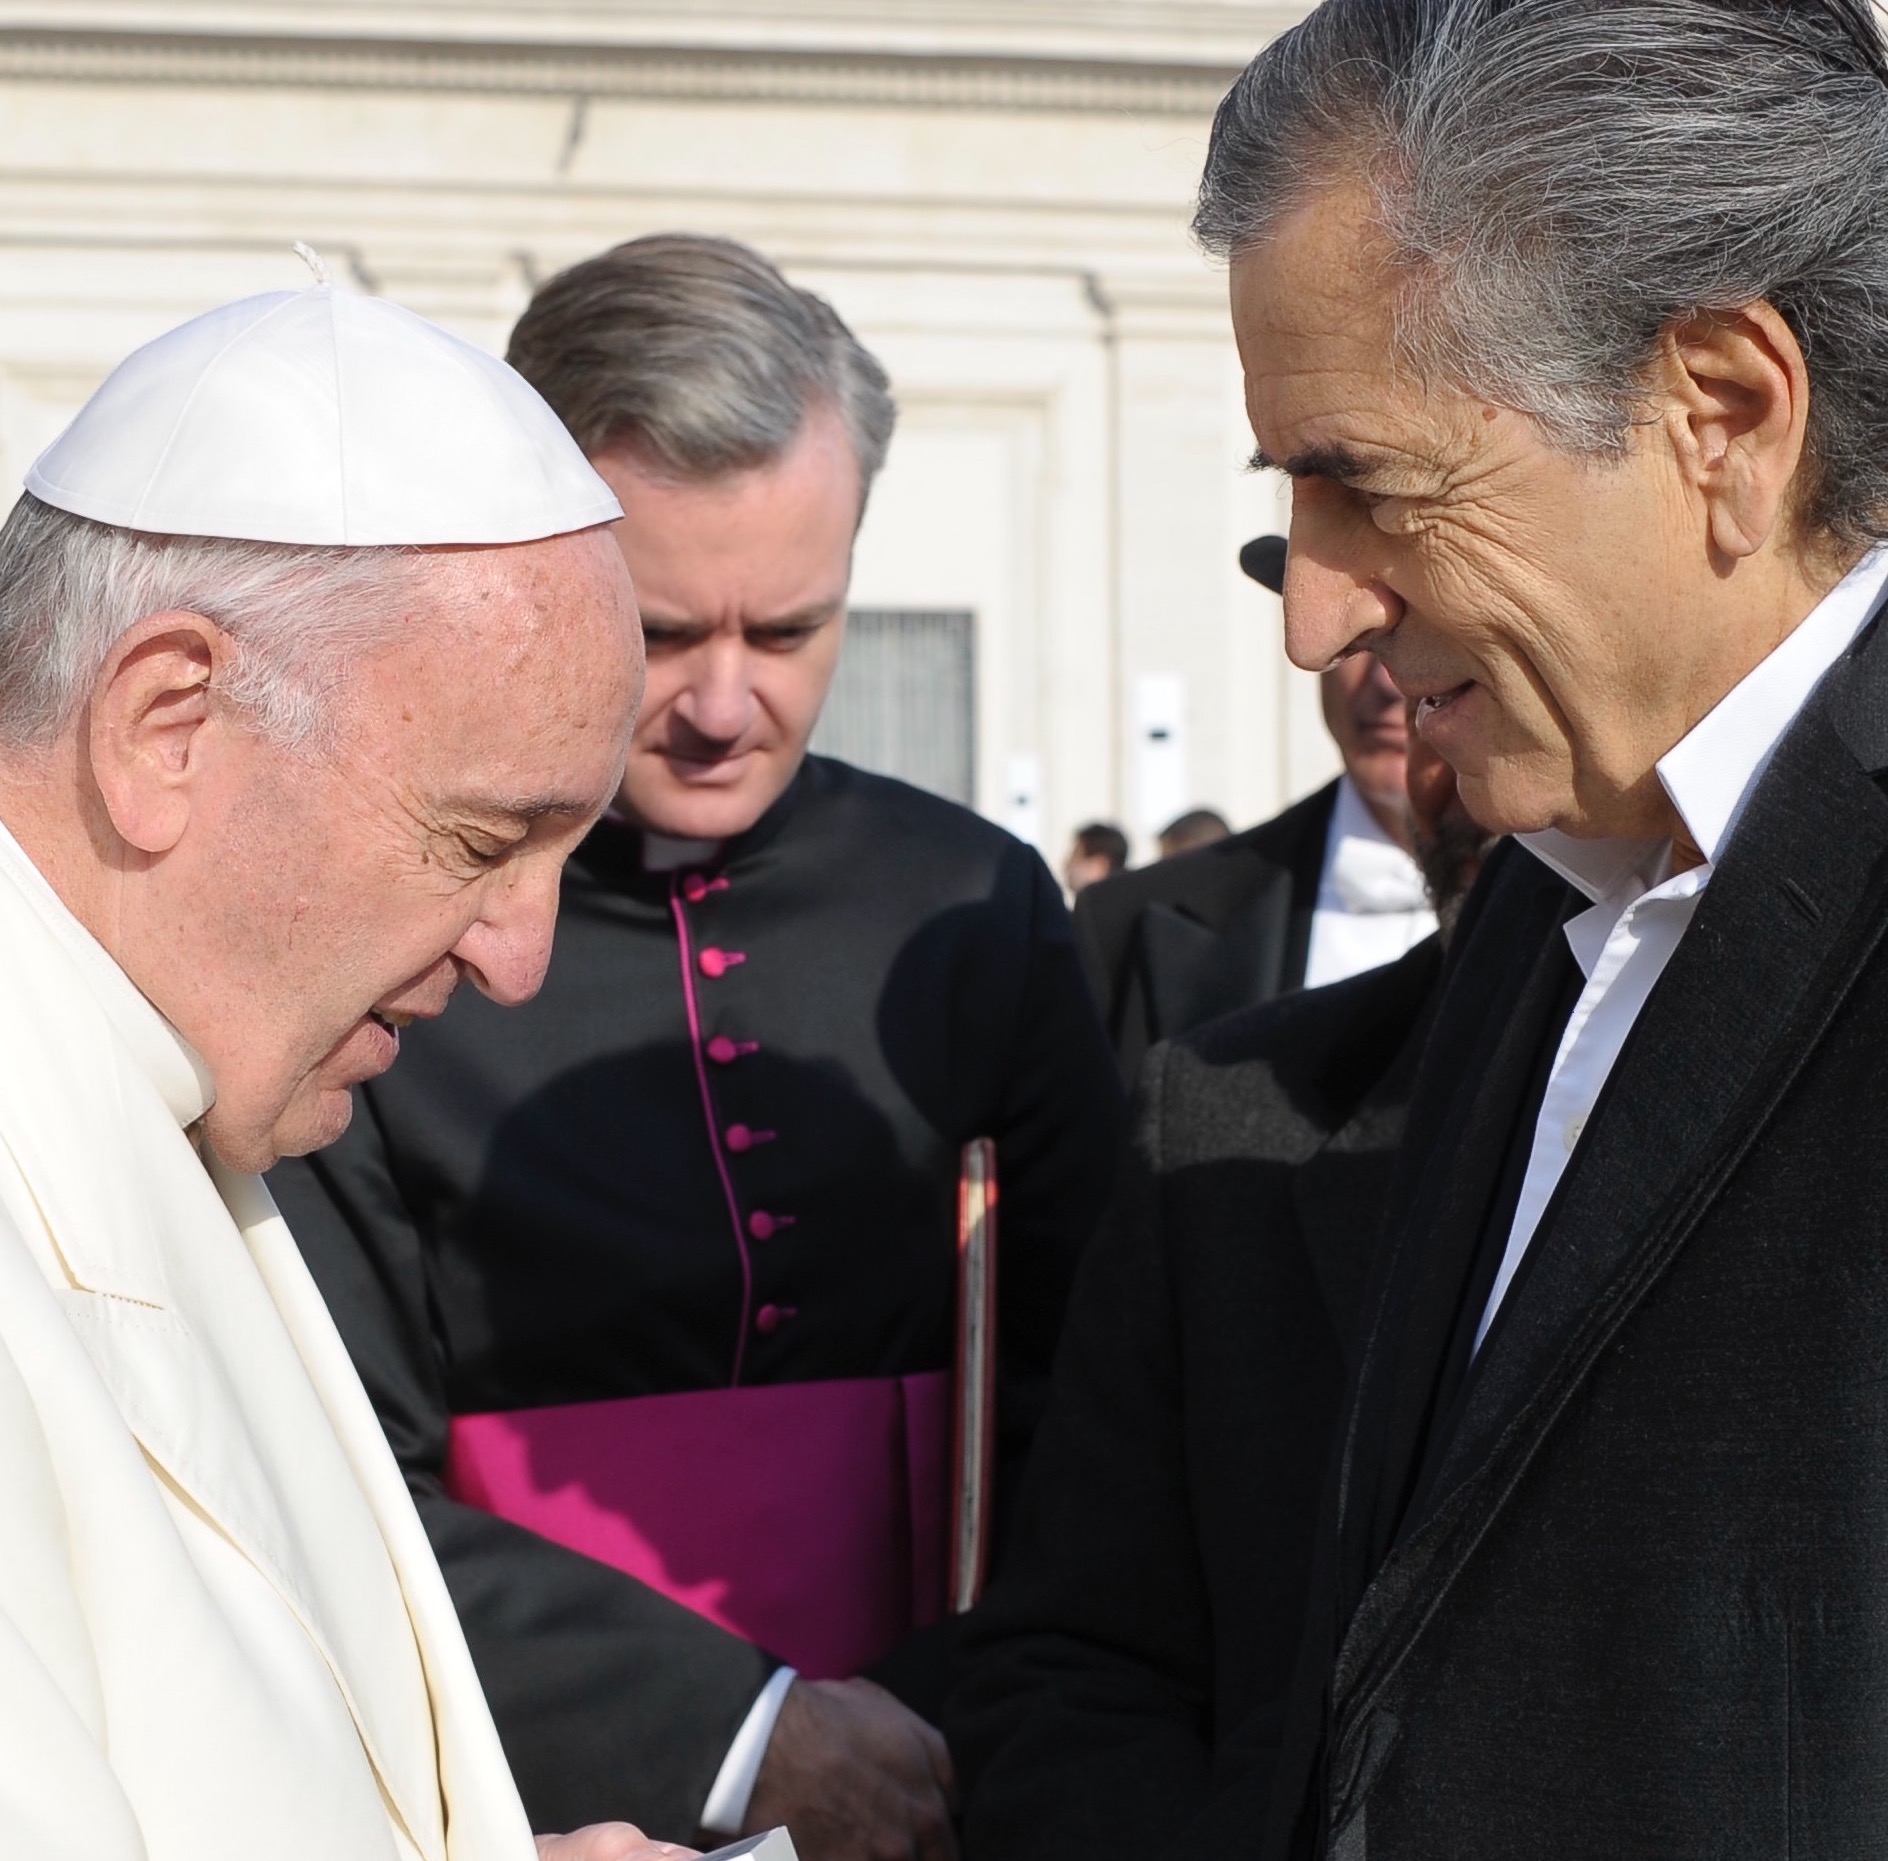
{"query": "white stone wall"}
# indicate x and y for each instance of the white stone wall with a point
(994, 192)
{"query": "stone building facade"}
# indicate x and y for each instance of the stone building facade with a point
(994, 192)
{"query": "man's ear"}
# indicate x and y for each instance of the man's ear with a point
(1739, 415)
(147, 724)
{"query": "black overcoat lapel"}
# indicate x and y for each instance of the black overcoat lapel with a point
(1797, 907)
(1307, 874)
(1193, 974)
(1474, 1077)
(1750, 982)
(1500, 952)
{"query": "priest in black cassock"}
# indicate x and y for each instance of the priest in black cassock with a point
(652, 1282)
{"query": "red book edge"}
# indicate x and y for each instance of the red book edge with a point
(973, 1408)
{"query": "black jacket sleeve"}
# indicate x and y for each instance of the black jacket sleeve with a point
(612, 1701)
(1082, 1725)
(1061, 1131)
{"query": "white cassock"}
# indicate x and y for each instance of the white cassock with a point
(222, 1634)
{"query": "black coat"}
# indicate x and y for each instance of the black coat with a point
(527, 1211)
(1640, 1611)
(1129, 1670)
(1170, 946)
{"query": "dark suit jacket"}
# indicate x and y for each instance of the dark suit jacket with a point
(1642, 1609)
(1131, 1662)
(1183, 941)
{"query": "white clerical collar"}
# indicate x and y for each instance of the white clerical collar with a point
(1365, 871)
(1711, 773)
(668, 853)
(169, 1061)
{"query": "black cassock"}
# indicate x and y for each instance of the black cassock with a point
(721, 1146)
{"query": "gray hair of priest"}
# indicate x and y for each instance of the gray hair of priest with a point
(70, 589)
(1561, 181)
(699, 355)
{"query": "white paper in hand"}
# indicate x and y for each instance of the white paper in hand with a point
(775, 1845)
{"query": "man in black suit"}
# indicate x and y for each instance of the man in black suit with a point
(1130, 1664)
(1320, 891)
(1323, 891)
(1569, 321)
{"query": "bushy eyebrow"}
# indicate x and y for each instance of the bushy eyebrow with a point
(1337, 463)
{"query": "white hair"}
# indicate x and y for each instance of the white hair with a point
(1563, 181)
(70, 589)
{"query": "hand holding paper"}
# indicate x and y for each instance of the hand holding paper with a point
(618, 1841)
(775, 1845)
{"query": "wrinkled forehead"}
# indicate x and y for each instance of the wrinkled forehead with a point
(1329, 390)
(509, 651)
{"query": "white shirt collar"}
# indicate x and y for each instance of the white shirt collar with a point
(173, 1066)
(1711, 773)
(1365, 871)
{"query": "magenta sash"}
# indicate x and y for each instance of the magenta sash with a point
(807, 1517)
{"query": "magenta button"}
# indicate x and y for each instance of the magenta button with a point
(740, 1139)
(695, 888)
(724, 1052)
(763, 1226)
(715, 963)
(770, 1318)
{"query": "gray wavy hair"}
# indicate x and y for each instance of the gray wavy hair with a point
(70, 589)
(1562, 181)
(699, 353)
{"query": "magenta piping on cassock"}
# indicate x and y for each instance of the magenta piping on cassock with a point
(680, 916)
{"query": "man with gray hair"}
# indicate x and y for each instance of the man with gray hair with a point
(316, 660)
(1569, 320)
(654, 1285)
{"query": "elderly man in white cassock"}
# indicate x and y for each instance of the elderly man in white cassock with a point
(316, 658)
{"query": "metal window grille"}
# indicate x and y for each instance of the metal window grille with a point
(905, 700)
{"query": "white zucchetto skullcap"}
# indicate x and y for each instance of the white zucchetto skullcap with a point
(321, 416)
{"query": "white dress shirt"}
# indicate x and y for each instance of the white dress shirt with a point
(1641, 908)
(1371, 907)
(733, 1788)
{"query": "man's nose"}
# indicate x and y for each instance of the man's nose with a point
(1335, 604)
(508, 947)
(718, 701)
